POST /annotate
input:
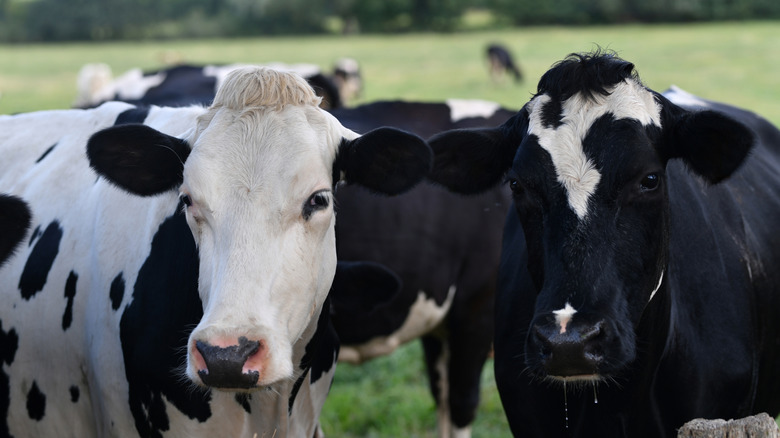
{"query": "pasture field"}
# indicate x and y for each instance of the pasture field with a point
(731, 62)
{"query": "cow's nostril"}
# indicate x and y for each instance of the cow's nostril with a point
(591, 333)
(225, 366)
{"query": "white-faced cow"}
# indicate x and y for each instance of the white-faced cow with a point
(444, 246)
(638, 286)
(14, 221)
(178, 291)
(183, 85)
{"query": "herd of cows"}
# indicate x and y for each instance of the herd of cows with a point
(190, 253)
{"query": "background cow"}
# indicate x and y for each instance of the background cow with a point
(634, 294)
(115, 321)
(183, 85)
(502, 62)
(14, 221)
(444, 246)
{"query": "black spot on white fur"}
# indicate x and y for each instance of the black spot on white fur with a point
(36, 403)
(117, 291)
(70, 293)
(40, 261)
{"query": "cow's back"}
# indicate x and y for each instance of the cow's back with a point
(724, 246)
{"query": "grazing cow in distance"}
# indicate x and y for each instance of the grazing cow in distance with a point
(14, 221)
(501, 62)
(638, 286)
(348, 79)
(178, 289)
(444, 246)
(182, 85)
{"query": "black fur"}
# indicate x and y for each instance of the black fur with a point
(138, 158)
(585, 73)
(385, 160)
(14, 221)
(470, 161)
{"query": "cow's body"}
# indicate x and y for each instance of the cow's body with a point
(633, 295)
(98, 306)
(445, 248)
(182, 85)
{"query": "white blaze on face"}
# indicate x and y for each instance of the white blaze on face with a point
(563, 316)
(576, 173)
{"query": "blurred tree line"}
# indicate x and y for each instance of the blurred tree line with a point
(61, 20)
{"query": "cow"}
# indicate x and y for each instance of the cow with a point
(348, 79)
(181, 85)
(14, 221)
(637, 287)
(445, 247)
(501, 62)
(177, 288)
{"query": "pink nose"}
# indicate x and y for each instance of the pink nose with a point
(229, 365)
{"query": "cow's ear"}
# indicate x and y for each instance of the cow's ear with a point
(470, 161)
(711, 144)
(14, 220)
(362, 287)
(385, 160)
(138, 158)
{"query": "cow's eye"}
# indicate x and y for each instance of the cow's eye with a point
(650, 182)
(185, 199)
(514, 185)
(317, 201)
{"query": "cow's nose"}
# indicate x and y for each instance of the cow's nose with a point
(234, 366)
(574, 352)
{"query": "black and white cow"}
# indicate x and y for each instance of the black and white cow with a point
(638, 286)
(14, 222)
(182, 85)
(179, 291)
(444, 246)
(502, 63)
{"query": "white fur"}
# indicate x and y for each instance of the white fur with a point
(465, 108)
(576, 173)
(681, 97)
(424, 315)
(564, 316)
(264, 271)
(660, 280)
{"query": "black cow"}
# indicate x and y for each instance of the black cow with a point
(181, 85)
(501, 62)
(445, 247)
(638, 286)
(14, 221)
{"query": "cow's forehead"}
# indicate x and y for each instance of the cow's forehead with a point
(575, 171)
(263, 149)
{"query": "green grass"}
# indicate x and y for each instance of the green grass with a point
(732, 62)
(388, 397)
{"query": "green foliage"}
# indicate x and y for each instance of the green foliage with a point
(81, 20)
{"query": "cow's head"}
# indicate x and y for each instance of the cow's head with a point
(256, 176)
(586, 161)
